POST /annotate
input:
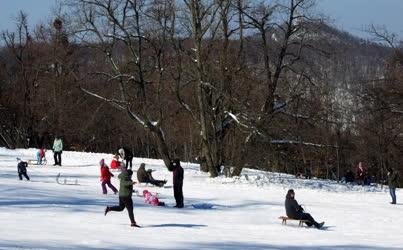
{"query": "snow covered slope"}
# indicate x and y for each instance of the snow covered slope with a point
(228, 213)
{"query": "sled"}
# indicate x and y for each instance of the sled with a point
(65, 181)
(35, 162)
(285, 218)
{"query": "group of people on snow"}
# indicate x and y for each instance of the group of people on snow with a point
(293, 209)
(143, 176)
(361, 176)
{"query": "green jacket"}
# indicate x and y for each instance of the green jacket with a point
(393, 179)
(126, 185)
(57, 145)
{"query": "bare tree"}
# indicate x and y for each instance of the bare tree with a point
(120, 30)
(20, 45)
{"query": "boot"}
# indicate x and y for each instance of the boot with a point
(134, 224)
(107, 209)
(319, 225)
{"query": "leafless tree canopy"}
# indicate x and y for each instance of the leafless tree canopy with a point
(227, 83)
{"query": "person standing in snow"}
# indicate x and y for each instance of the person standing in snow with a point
(295, 211)
(22, 169)
(125, 196)
(393, 182)
(361, 173)
(40, 155)
(126, 154)
(106, 178)
(57, 150)
(178, 183)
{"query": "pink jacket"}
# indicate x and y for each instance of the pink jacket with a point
(149, 198)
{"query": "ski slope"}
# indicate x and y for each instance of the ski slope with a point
(231, 213)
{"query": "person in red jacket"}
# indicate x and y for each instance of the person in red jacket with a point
(115, 163)
(106, 178)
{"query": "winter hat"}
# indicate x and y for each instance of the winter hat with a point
(290, 194)
(123, 167)
(176, 162)
(102, 162)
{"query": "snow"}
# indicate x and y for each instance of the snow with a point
(219, 213)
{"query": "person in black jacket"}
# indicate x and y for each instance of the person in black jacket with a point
(126, 154)
(22, 169)
(295, 211)
(178, 182)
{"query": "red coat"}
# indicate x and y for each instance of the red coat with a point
(42, 153)
(105, 174)
(115, 164)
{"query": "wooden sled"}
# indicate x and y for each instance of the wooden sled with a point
(35, 162)
(285, 218)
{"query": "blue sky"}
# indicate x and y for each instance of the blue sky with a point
(349, 15)
(354, 15)
(37, 10)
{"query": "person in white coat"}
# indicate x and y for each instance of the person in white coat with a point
(57, 150)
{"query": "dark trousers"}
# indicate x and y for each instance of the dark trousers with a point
(178, 194)
(58, 158)
(157, 182)
(20, 174)
(129, 161)
(392, 192)
(310, 219)
(104, 183)
(125, 202)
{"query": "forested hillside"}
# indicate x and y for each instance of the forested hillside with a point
(223, 83)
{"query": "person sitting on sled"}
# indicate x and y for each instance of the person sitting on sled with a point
(144, 176)
(295, 211)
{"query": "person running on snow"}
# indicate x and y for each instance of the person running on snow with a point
(125, 196)
(57, 150)
(22, 169)
(144, 176)
(106, 178)
(295, 211)
(126, 154)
